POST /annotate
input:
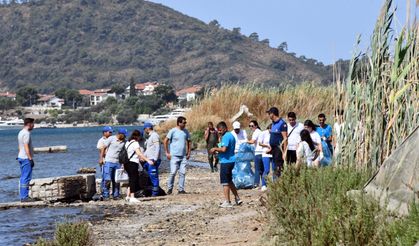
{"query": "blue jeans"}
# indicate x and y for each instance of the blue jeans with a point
(258, 169)
(177, 163)
(109, 170)
(25, 178)
(267, 162)
(153, 172)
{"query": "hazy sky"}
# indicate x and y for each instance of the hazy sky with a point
(325, 30)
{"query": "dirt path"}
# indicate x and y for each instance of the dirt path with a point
(191, 219)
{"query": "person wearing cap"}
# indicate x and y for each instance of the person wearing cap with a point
(106, 133)
(113, 145)
(153, 151)
(177, 146)
(239, 135)
(278, 140)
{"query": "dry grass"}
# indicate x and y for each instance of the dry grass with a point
(305, 100)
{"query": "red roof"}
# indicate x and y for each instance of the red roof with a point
(45, 98)
(86, 92)
(141, 86)
(102, 91)
(193, 89)
(7, 94)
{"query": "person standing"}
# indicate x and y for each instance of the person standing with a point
(113, 146)
(325, 131)
(307, 151)
(254, 126)
(239, 135)
(25, 159)
(106, 133)
(152, 152)
(211, 137)
(278, 140)
(177, 146)
(294, 130)
(227, 160)
(263, 141)
(135, 155)
(315, 136)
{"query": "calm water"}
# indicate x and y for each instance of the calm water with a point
(19, 226)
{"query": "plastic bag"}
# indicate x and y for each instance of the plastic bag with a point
(245, 153)
(243, 176)
(121, 176)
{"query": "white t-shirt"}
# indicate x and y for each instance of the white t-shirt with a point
(131, 147)
(101, 143)
(240, 138)
(255, 136)
(316, 137)
(23, 138)
(304, 152)
(264, 139)
(294, 138)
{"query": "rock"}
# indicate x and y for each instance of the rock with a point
(85, 170)
(65, 188)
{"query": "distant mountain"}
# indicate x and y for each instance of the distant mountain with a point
(97, 43)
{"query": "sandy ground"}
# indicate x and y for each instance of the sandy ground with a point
(191, 219)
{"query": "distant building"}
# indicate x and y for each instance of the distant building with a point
(145, 89)
(50, 101)
(188, 94)
(97, 96)
(8, 95)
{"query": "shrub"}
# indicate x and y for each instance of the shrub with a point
(69, 234)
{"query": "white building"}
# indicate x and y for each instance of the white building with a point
(145, 89)
(188, 94)
(97, 96)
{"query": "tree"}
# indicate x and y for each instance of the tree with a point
(283, 46)
(27, 96)
(71, 97)
(132, 91)
(254, 36)
(6, 103)
(265, 41)
(166, 92)
(118, 89)
(214, 23)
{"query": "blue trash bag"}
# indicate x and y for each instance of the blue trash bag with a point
(243, 176)
(327, 155)
(246, 152)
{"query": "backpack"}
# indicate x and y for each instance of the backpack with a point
(123, 154)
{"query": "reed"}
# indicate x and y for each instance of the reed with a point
(380, 95)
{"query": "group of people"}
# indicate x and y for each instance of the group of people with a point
(144, 154)
(282, 141)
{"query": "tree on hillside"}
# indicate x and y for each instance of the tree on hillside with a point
(71, 97)
(265, 41)
(6, 103)
(254, 36)
(132, 91)
(166, 92)
(27, 96)
(118, 89)
(214, 23)
(283, 46)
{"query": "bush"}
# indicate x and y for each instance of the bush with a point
(310, 207)
(69, 234)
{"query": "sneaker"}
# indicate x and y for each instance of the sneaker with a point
(216, 169)
(226, 204)
(169, 191)
(264, 188)
(238, 201)
(134, 200)
(116, 198)
(182, 192)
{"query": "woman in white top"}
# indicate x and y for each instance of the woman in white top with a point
(311, 127)
(134, 154)
(254, 126)
(267, 161)
(306, 150)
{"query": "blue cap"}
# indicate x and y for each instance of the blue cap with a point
(107, 129)
(123, 131)
(148, 125)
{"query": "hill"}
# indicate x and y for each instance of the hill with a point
(97, 43)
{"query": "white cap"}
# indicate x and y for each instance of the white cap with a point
(236, 125)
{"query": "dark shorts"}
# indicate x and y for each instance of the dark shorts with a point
(291, 156)
(226, 173)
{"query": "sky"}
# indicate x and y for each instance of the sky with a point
(325, 30)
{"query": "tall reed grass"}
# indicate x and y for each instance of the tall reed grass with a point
(380, 95)
(305, 100)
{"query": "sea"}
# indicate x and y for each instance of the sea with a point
(25, 225)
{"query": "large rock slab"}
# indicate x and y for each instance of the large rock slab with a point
(64, 188)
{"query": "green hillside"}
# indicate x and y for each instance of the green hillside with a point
(98, 43)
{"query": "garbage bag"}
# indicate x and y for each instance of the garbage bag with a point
(243, 176)
(246, 152)
(327, 155)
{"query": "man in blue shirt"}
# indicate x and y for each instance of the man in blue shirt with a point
(178, 152)
(325, 131)
(227, 159)
(278, 140)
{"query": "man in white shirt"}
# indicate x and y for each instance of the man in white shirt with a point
(25, 159)
(239, 134)
(294, 130)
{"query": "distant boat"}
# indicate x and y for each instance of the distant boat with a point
(158, 119)
(11, 124)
